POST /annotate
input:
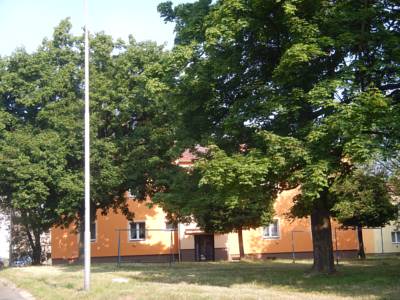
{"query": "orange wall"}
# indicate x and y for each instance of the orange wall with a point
(255, 243)
(65, 242)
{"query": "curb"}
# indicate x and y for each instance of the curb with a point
(24, 294)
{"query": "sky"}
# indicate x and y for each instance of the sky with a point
(24, 23)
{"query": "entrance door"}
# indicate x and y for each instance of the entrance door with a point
(204, 247)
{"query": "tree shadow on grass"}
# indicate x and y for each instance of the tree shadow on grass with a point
(379, 278)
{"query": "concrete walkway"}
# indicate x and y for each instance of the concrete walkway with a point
(9, 292)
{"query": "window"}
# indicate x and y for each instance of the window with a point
(93, 229)
(130, 194)
(170, 226)
(272, 230)
(396, 237)
(137, 231)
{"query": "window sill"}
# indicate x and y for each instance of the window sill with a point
(136, 240)
(271, 237)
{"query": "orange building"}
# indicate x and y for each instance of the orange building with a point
(150, 238)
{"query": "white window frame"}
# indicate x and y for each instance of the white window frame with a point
(396, 237)
(137, 231)
(130, 195)
(95, 231)
(270, 236)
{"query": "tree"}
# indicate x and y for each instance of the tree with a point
(35, 179)
(132, 109)
(363, 201)
(224, 193)
(220, 200)
(32, 176)
(320, 72)
(41, 127)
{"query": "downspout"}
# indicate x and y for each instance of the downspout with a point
(179, 243)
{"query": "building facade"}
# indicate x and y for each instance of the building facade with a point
(4, 236)
(150, 238)
(385, 240)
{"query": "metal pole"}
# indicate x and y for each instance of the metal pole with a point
(382, 241)
(87, 157)
(293, 255)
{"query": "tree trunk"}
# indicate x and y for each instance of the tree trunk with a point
(322, 241)
(241, 248)
(37, 250)
(35, 245)
(361, 251)
(81, 240)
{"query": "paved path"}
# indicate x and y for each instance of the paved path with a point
(9, 293)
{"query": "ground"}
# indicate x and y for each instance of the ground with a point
(8, 292)
(371, 279)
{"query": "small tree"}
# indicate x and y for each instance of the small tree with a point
(363, 200)
(219, 194)
(33, 179)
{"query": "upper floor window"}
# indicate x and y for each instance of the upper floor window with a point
(272, 230)
(396, 237)
(130, 194)
(170, 226)
(137, 231)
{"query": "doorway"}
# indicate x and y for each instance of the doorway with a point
(204, 247)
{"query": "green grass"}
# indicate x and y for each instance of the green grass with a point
(371, 279)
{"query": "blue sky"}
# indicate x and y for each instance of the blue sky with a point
(27, 22)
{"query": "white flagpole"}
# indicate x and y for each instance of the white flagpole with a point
(87, 156)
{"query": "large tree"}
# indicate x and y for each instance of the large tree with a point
(322, 72)
(38, 178)
(41, 126)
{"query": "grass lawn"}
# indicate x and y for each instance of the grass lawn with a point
(371, 279)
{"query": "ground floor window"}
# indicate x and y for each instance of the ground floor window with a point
(137, 231)
(272, 230)
(93, 231)
(396, 237)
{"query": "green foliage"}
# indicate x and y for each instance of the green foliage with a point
(322, 73)
(33, 175)
(222, 193)
(225, 192)
(394, 178)
(299, 69)
(41, 126)
(39, 95)
(363, 200)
